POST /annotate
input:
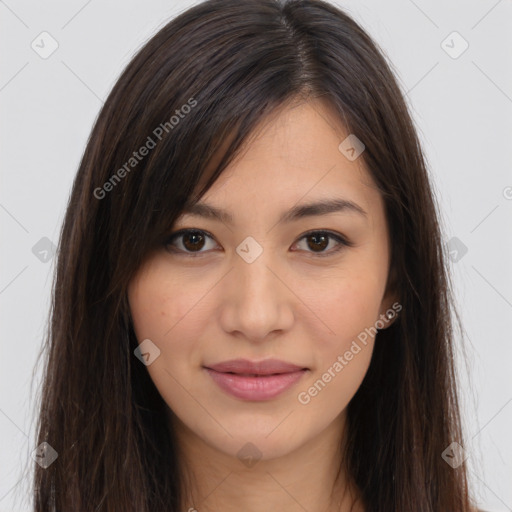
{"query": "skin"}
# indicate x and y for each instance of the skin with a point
(289, 304)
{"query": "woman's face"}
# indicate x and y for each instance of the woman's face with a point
(272, 282)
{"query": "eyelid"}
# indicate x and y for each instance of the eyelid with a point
(342, 242)
(184, 231)
(341, 239)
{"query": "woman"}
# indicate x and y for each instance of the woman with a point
(251, 308)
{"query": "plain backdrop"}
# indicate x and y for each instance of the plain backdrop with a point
(461, 100)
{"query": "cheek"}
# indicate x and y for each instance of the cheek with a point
(162, 307)
(344, 351)
(347, 305)
(164, 316)
(348, 309)
(172, 316)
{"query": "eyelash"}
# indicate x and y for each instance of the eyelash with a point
(342, 241)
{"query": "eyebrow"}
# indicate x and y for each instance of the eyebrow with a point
(301, 211)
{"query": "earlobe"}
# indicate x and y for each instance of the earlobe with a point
(390, 305)
(392, 314)
(388, 313)
(390, 308)
(386, 318)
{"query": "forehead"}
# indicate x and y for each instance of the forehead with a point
(293, 157)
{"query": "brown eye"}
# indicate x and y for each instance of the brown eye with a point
(188, 241)
(193, 240)
(318, 241)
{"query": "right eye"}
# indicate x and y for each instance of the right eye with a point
(187, 241)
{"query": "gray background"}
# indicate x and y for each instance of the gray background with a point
(463, 110)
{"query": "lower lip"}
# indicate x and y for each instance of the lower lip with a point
(255, 388)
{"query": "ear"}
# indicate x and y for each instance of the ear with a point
(390, 305)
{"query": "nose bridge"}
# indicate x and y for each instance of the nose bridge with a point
(254, 280)
(257, 303)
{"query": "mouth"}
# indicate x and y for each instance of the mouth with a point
(255, 381)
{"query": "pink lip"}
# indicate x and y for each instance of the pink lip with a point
(255, 381)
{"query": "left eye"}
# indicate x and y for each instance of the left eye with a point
(193, 240)
(320, 240)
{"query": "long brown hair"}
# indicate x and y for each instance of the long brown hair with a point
(205, 80)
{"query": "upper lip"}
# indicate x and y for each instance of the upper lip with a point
(266, 367)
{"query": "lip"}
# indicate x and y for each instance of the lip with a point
(255, 380)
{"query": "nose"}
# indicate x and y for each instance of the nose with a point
(256, 303)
